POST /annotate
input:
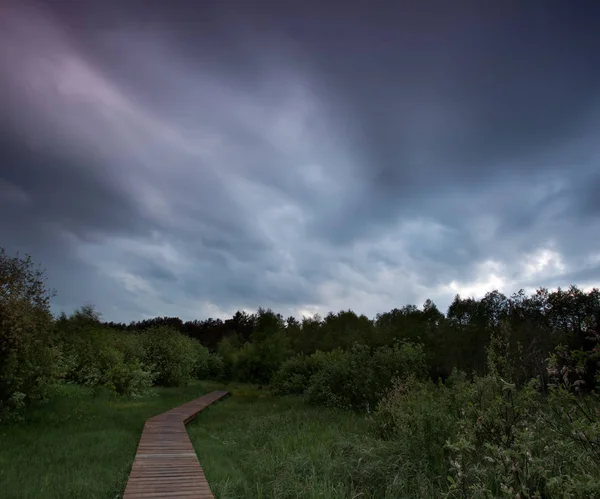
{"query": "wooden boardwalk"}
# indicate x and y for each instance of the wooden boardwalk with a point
(165, 464)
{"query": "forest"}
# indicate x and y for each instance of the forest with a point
(496, 397)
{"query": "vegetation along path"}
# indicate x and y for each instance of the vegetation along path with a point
(165, 464)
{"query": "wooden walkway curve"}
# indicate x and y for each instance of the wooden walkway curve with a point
(165, 464)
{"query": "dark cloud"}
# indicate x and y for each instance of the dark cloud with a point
(66, 188)
(586, 196)
(464, 103)
(193, 158)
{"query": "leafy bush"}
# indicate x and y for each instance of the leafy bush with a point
(216, 367)
(253, 362)
(343, 381)
(510, 442)
(357, 379)
(294, 375)
(170, 354)
(131, 379)
(416, 414)
(487, 437)
(207, 365)
(227, 351)
(28, 356)
(249, 365)
(493, 440)
(402, 360)
(95, 356)
(201, 360)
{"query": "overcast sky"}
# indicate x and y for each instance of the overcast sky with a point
(193, 158)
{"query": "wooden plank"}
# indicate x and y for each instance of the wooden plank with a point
(165, 463)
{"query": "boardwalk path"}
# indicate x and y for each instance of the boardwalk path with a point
(165, 464)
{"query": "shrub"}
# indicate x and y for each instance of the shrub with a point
(227, 351)
(201, 360)
(170, 354)
(28, 356)
(255, 361)
(216, 367)
(416, 414)
(252, 364)
(294, 375)
(130, 379)
(399, 361)
(344, 380)
(98, 357)
(357, 379)
(509, 442)
(495, 439)
(207, 365)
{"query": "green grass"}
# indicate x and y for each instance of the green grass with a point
(79, 445)
(253, 445)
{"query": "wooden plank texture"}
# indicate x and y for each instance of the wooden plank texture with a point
(165, 463)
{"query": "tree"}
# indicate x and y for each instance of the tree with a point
(87, 314)
(469, 325)
(27, 356)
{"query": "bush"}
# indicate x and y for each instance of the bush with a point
(98, 357)
(249, 366)
(487, 438)
(294, 375)
(207, 365)
(130, 379)
(28, 356)
(510, 442)
(399, 361)
(416, 414)
(357, 379)
(201, 356)
(344, 380)
(170, 354)
(227, 351)
(252, 362)
(216, 367)
(259, 360)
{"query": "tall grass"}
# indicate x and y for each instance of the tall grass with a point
(259, 446)
(82, 443)
(467, 439)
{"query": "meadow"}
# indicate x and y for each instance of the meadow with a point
(496, 398)
(81, 442)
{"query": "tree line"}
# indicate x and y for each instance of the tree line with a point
(532, 326)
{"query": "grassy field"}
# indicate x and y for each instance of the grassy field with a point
(254, 445)
(79, 445)
(251, 445)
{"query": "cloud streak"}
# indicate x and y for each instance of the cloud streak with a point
(195, 160)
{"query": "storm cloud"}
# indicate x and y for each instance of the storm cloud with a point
(195, 158)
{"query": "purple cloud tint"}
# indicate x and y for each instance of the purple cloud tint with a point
(192, 159)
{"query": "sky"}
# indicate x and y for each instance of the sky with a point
(194, 158)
